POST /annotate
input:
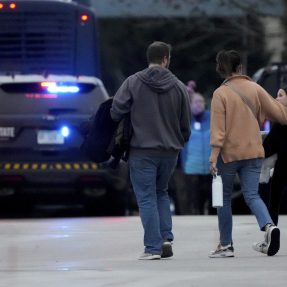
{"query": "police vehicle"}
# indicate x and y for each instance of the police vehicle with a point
(49, 86)
(40, 138)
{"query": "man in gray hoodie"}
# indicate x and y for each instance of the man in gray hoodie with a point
(160, 117)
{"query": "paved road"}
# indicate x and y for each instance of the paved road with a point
(86, 252)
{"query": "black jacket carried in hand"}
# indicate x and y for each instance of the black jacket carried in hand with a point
(105, 138)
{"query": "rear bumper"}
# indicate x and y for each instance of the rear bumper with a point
(75, 175)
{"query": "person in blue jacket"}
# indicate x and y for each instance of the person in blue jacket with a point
(195, 160)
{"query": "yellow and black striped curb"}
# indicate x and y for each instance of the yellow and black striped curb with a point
(48, 166)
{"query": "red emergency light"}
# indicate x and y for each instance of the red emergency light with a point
(12, 5)
(84, 17)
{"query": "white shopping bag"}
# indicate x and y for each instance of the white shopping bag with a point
(217, 191)
(267, 168)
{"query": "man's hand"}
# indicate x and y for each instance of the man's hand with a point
(213, 169)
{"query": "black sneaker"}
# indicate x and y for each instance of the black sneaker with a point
(272, 240)
(166, 250)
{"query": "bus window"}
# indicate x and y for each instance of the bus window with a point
(48, 37)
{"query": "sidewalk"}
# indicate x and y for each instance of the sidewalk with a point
(98, 252)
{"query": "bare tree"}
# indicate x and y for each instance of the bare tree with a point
(195, 40)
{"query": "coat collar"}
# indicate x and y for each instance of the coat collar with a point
(236, 77)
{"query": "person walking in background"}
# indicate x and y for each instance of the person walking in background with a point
(160, 116)
(276, 143)
(195, 160)
(237, 108)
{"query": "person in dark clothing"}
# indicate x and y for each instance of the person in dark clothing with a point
(276, 143)
(160, 117)
(195, 161)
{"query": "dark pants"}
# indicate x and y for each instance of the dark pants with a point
(278, 185)
(198, 194)
(192, 193)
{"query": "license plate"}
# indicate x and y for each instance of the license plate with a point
(49, 137)
(7, 132)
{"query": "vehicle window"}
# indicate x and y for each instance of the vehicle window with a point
(50, 97)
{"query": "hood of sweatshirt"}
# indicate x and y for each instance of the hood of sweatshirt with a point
(157, 78)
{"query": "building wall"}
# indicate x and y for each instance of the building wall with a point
(274, 37)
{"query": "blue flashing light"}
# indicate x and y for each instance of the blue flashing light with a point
(54, 88)
(65, 131)
(63, 89)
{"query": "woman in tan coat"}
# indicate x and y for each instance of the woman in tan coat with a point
(238, 106)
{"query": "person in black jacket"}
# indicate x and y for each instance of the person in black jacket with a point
(276, 143)
(159, 109)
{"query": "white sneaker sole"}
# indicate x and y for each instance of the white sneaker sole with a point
(153, 257)
(221, 255)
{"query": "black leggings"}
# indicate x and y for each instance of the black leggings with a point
(278, 185)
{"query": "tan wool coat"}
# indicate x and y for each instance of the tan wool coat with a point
(235, 132)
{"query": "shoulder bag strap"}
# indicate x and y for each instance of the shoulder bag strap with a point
(245, 100)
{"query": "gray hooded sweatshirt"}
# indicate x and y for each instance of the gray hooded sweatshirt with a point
(159, 107)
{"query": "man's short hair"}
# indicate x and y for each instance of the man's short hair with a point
(157, 51)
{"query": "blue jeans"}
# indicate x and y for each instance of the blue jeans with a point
(249, 172)
(150, 176)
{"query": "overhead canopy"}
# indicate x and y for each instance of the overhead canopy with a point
(186, 8)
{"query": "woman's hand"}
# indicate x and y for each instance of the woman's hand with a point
(212, 168)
